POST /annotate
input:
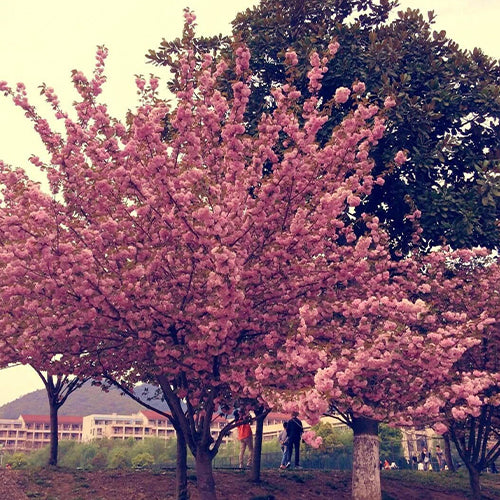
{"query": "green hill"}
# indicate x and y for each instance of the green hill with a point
(87, 400)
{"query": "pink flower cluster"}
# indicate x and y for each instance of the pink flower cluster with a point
(311, 439)
(291, 58)
(342, 95)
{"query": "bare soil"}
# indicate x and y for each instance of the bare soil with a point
(63, 484)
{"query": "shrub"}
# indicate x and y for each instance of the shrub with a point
(119, 458)
(18, 461)
(143, 460)
(39, 458)
(80, 455)
(100, 460)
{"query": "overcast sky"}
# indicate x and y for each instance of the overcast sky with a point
(41, 42)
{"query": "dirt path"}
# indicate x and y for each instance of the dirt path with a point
(64, 484)
(9, 489)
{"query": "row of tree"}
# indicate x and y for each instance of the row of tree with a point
(257, 243)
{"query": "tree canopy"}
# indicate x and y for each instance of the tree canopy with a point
(447, 113)
(227, 254)
(184, 257)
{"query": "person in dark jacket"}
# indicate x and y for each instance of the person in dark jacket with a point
(294, 432)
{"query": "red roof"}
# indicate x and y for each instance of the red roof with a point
(45, 419)
(152, 415)
(279, 416)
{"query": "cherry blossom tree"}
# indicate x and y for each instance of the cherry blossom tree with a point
(55, 374)
(369, 349)
(465, 283)
(415, 345)
(177, 248)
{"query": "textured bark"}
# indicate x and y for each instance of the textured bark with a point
(54, 437)
(447, 453)
(257, 446)
(181, 485)
(366, 461)
(204, 476)
(475, 485)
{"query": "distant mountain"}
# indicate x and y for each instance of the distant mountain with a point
(87, 400)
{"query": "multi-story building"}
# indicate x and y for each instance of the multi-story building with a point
(147, 423)
(138, 426)
(30, 432)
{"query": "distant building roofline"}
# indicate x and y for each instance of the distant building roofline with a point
(45, 419)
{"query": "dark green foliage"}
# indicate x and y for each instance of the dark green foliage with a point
(16, 460)
(143, 460)
(107, 454)
(447, 114)
(119, 458)
(390, 443)
(335, 439)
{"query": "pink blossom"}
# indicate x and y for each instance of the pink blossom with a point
(389, 102)
(189, 16)
(359, 87)
(333, 47)
(400, 158)
(312, 439)
(153, 82)
(291, 58)
(242, 59)
(353, 201)
(140, 82)
(440, 428)
(342, 95)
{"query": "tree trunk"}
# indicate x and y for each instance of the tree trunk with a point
(475, 486)
(204, 475)
(257, 447)
(181, 485)
(447, 453)
(54, 437)
(366, 460)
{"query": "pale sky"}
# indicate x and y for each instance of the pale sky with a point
(41, 42)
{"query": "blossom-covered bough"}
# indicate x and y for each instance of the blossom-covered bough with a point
(177, 249)
(411, 342)
(465, 284)
(373, 347)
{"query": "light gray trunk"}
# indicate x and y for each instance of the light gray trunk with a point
(366, 461)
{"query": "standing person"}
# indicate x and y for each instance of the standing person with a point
(294, 432)
(245, 438)
(426, 458)
(283, 439)
(440, 458)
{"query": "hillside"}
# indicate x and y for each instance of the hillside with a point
(85, 401)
